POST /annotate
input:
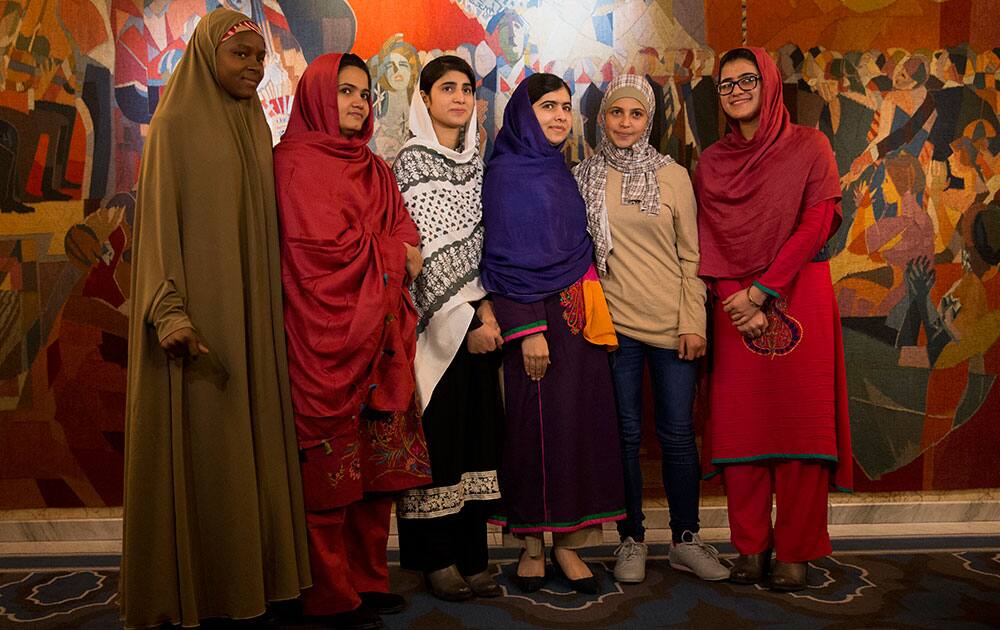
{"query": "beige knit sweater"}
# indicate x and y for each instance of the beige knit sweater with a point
(652, 285)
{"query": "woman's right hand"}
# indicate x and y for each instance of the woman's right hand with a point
(755, 326)
(183, 343)
(535, 351)
(484, 339)
(414, 261)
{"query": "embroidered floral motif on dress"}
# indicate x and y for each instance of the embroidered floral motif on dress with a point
(397, 449)
(574, 308)
(783, 334)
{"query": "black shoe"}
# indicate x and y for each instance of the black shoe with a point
(361, 618)
(788, 577)
(483, 584)
(587, 585)
(286, 612)
(447, 584)
(751, 569)
(527, 584)
(383, 603)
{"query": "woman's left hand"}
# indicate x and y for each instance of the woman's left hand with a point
(739, 307)
(755, 327)
(691, 346)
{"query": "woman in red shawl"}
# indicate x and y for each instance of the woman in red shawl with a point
(347, 257)
(768, 197)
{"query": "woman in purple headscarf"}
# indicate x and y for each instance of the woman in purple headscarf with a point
(560, 470)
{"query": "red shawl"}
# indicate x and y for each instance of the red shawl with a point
(348, 316)
(751, 192)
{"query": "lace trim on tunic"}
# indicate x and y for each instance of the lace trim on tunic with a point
(442, 501)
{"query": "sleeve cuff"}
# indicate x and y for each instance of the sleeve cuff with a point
(525, 330)
(171, 325)
(770, 292)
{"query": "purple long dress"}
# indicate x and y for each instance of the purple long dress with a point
(560, 467)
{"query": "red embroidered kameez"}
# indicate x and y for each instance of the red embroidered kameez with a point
(351, 339)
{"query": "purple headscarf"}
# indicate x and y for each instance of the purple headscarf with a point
(536, 242)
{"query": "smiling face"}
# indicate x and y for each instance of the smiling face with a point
(739, 104)
(239, 64)
(624, 122)
(450, 100)
(352, 100)
(554, 112)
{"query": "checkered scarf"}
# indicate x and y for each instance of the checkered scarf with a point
(637, 164)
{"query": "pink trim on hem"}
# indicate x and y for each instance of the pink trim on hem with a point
(525, 333)
(557, 530)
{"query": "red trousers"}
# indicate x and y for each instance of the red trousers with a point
(347, 551)
(799, 533)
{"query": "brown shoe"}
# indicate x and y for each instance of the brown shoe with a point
(751, 569)
(483, 584)
(447, 584)
(788, 576)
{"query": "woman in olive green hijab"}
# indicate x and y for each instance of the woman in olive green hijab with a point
(213, 521)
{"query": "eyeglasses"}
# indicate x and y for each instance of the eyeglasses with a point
(747, 84)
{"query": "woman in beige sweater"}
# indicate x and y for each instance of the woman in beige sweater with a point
(641, 217)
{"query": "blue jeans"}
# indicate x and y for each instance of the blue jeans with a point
(673, 395)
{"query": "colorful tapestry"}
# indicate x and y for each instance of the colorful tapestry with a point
(905, 89)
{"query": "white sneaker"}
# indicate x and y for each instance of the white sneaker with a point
(630, 567)
(694, 556)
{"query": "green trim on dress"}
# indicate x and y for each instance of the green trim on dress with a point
(590, 517)
(770, 292)
(518, 329)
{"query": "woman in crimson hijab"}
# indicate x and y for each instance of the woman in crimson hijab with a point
(768, 197)
(348, 256)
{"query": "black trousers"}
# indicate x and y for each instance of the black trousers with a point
(429, 544)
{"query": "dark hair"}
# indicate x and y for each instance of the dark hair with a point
(541, 83)
(352, 60)
(737, 53)
(441, 66)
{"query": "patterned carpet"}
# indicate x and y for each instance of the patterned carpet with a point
(938, 583)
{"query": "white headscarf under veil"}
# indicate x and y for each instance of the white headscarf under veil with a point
(442, 189)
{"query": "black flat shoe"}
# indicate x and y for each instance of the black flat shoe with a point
(483, 584)
(751, 569)
(529, 583)
(788, 577)
(383, 603)
(361, 618)
(587, 585)
(447, 584)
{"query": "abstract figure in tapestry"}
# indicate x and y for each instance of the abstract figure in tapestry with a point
(38, 101)
(509, 39)
(394, 70)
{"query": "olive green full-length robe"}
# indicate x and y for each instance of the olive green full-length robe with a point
(213, 517)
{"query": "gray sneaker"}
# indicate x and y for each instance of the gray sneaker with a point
(630, 567)
(694, 556)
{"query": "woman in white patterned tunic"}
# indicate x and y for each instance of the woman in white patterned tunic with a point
(442, 527)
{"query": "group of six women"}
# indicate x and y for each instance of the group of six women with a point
(284, 391)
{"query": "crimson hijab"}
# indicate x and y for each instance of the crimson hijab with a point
(350, 324)
(751, 192)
